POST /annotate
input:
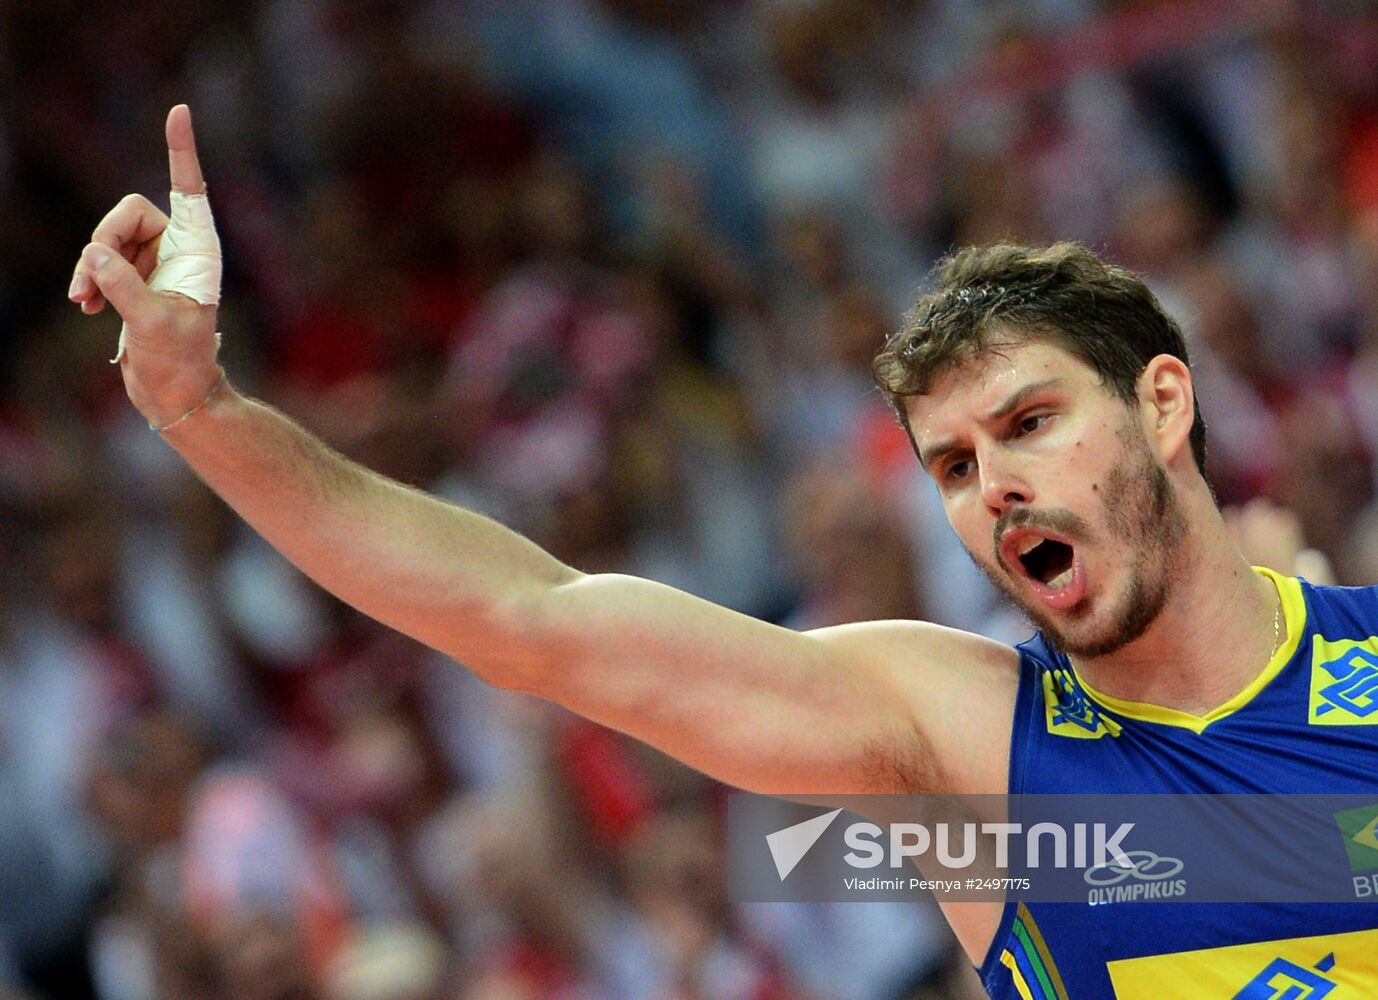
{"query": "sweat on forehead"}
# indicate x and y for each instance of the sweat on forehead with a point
(989, 350)
(985, 299)
(1104, 314)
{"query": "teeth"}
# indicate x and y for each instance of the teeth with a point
(1061, 580)
(1028, 545)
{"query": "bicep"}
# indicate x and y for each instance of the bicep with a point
(752, 704)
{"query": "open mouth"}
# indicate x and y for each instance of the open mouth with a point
(1047, 560)
(1051, 566)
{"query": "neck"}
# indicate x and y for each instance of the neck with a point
(1213, 637)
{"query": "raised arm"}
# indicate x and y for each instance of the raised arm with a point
(873, 707)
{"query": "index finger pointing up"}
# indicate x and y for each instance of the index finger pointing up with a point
(181, 153)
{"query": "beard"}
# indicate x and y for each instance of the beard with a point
(1142, 511)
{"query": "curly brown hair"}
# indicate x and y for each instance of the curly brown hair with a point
(1103, 314)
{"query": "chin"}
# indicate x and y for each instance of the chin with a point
(1089, 644)
(1082, 633)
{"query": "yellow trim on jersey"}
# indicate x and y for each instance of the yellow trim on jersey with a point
(1340, 966)
(1007, 960)
(1294, 620)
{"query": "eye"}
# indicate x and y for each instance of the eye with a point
(1031, 423)
(958, 470)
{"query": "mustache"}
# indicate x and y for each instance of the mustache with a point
(1061, 522)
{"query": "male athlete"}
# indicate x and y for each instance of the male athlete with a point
(1049, 396)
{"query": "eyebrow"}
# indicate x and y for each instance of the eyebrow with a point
(1017, 400)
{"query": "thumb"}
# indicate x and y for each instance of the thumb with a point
(120, 283)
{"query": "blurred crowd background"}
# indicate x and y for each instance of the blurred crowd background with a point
(612, 271)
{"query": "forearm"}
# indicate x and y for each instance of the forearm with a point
(751, 703)
(448, 577)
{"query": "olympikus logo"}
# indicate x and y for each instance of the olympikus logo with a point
(1150, 876)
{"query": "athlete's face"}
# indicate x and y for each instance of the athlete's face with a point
(1053, 487)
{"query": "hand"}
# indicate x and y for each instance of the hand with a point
(168, 342)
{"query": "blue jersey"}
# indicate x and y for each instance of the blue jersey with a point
(1308, 723)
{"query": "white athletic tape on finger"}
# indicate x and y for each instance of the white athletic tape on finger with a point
(189, 260)
(189, 252)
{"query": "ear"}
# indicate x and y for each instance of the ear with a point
(1167, 403)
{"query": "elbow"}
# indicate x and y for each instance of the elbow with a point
(524, 645)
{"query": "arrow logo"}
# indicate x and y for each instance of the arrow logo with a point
(788, 846)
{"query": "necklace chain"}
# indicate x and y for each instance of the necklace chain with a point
(1277, 628)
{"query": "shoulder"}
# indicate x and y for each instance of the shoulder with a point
(958, 689)
(1321, 613)
(1358, 604)
(915, 645)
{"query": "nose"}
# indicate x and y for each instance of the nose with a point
(1002, 485)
